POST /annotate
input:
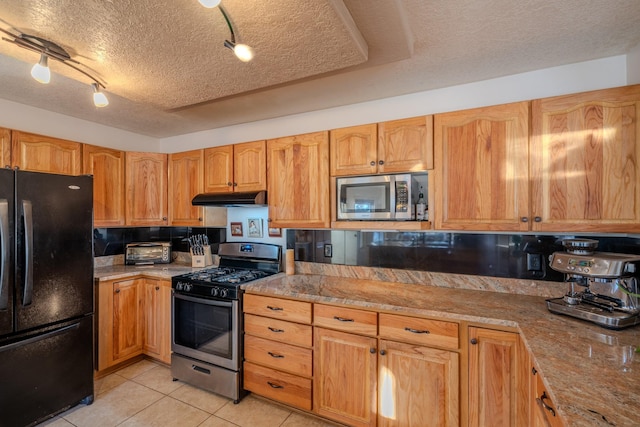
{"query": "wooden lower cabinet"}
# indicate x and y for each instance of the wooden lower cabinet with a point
(495, 378)
(134, 318)
(543, 411)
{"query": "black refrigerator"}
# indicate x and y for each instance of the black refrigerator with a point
(46, 295)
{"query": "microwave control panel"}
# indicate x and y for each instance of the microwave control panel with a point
(402, 196)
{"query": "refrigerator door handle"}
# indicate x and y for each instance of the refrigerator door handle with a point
(4, 258)
(27, 216)
(44, 336)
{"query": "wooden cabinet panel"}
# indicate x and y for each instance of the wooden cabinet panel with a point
(418, 386)
(481, 176)
(5, 147)
(354, 150)
(127, 320)
(39, 153)
(278, 330)
(280, 386)
(345, 375)
(277, 355)
(293, 311)
(146, 188)
(298, 181)
(585, 153)
(493, 378)
(185, 182)
(346, 319)
(250, 166)
(543, 410)
(107, 167)
(157, 319)
(405, 145)
(218, 169)
(419, 331)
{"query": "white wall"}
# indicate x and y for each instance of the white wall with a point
(584, 76)
(633, 66)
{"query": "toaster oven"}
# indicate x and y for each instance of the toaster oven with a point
(148, 253)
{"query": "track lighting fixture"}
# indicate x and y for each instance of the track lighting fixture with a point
(242, 51)
(48, 49)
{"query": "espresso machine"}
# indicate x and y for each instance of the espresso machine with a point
(602, 286)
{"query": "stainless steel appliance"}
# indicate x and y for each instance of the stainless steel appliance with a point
(206, 313)
(46, 295)
(148, 253)
(602, 286)
(374, 197)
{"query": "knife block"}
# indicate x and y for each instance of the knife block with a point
(202, 260)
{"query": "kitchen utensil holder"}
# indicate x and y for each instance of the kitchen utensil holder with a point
(202, 260)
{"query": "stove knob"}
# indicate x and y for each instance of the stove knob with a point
(179, 286)
(215, 291)
(187, 287)
(224, 293)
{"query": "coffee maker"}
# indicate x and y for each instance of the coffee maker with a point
(602, 286)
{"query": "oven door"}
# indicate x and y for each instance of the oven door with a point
(206, 329)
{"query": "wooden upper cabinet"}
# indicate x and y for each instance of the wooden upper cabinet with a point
(405, 145)
(298, 181)
(146, 188)
(107, 167)
(5, 147)
(585, 155)
(354, 150)
(185, 181)
(39, 153)
(481, 176)
(240, 167)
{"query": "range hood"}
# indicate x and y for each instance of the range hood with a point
(256, 198)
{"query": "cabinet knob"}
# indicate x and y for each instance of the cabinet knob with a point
(372, 350)
(117, 291)
(229, 184)
(200, 219)
(235, 184)
(524, 219)
(381, 162)
(157, 288)
(474, 341)
(383, 352)
(373, 163)
(533, 371)
(164, 218)
(537, 219)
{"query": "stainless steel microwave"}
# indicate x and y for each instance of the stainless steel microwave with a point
(374, 197)
(148, 253)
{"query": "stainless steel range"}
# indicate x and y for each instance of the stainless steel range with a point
(602, 286)
(206, 317)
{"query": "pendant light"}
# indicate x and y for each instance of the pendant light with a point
(209, 4)
(242, 51)
(40, 71)
(99, 98)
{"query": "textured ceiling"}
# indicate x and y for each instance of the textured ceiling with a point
(167, 72)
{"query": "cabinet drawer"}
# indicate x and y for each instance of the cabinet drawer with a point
(419, 331)
(293, 311)
(277, 355)
(346, 319)
(278, 330)
(280, 386)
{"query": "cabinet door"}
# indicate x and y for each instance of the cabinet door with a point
(354, 150)
(493, 378)
(146, 184)
(481, 178)
(250, 166)
(585, 154)
(298, 181)
(107, 167)
(127, 319)
(39, 153)
(417, 386)
(218, 169)
(157, 319)
(405, 145)
(185, 181)
(5, 147)
(345, 377)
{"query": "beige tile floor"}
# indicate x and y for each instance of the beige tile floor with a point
(145, 395)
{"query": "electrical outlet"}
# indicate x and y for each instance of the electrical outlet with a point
(328, 250)
(534, 262)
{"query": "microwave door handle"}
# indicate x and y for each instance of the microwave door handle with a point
(392, 198)
(5, 248)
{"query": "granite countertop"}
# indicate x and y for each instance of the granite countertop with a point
(161, 271)
(579, 362)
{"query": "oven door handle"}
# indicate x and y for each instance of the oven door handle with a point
(203, 300)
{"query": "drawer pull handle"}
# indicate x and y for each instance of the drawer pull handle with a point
(342, 319)
(275, 330)
(273, 385)
(417, 331)
(541, 400)
(274, 308)
(277, 356)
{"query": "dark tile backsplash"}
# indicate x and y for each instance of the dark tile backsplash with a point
(497, 255)
(112, 241)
